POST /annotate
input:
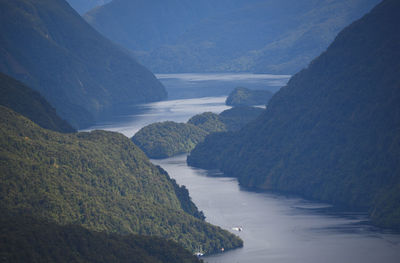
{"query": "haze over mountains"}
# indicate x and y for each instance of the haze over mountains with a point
(82, 6)
(48, 46)
(271, 36)
(29, 103)
(333, 132)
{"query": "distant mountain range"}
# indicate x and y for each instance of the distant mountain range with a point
(333, 133)
(29, 103)
(82, 6)
(48, 46)
(270, 36)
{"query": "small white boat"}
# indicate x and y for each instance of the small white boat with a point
(237, 228)
(199, 252)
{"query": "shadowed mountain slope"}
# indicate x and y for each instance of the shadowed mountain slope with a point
(271, 36)
(82, 6)
(20, 98)
(333, 132)
(48, 46)
(26, 239)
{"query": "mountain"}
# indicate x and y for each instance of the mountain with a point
(48, 46)
(26, 239)
(246, 97)
(153, 22)
(99, 180)
(271, 36)
(20, 98)
(332, 133)
(82, 6)
(165, 139)
(238, 117)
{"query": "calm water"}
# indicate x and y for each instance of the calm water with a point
(282, 229)
(185, 86)
(276, 228)
(179, 110)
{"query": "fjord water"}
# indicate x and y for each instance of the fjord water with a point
(188, 94)
(279, 228)
(276, 228)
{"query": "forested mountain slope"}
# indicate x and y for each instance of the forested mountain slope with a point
(26, 239)
(271, 36)
(241, 96)
(166, 139)
(48, 46)
(333, 132)
(99, 180)
(20, 98)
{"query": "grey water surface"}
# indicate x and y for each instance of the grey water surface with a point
(276, 228)
(279, 228)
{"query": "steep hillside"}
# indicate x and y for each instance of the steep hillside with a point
(271, 36)
(238, 117)
(99, 180)
(166, 139)
(333, 132)
(48, 46)
(143, 25)
(26, 239)
(247, 97)
(20, 98)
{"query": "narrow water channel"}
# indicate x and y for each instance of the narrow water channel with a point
(276, 228)
(282, 229)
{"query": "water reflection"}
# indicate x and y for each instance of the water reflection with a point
(171, 110)
(194, 85)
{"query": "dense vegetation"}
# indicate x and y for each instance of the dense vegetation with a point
(26, 239)
(166, 139)
(208, 121)
(48, 46)
(247, 97)
(237, 117)
(99, 180)
(20, 98)
(271, 36)
(333, 132)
